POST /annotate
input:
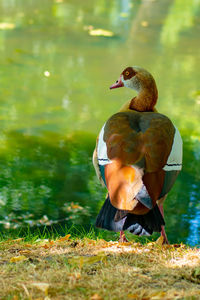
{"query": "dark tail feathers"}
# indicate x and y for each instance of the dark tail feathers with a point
(136, 224)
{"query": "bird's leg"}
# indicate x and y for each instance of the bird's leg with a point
(122, 238)
(163, 233)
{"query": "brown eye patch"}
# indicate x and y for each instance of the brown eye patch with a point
(128, 73)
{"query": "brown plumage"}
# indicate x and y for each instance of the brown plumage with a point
(133, 159)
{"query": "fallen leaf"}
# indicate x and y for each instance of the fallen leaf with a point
(44, 287)
(65, 238)
(158, 295)
(46, 246)
(28, 245)
(15, 259)
(17, 240)
(25, 251)
(125, 243)
(92, 242)
(101, 32)
(159, 241)
(86, 260)
(96, 297)
(76, 206)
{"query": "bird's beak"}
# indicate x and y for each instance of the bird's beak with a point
(117, 84)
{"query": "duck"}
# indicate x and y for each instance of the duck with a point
(138, 156)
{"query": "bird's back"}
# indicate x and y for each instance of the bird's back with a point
(133, 151)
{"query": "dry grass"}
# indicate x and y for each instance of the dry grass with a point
(89, 269)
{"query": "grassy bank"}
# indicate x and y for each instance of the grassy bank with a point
(69, 267)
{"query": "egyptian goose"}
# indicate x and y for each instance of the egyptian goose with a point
(138, 156)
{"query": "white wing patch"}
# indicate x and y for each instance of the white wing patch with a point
(102, 150)
(174, 161)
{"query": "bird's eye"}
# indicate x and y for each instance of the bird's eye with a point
(127, 73)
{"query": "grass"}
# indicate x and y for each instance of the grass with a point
(83, 265)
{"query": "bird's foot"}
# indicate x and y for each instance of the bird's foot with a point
(163, 234)
(122, 238)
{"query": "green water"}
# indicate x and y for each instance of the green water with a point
(54, 98)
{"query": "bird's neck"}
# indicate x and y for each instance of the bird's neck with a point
(145, 100)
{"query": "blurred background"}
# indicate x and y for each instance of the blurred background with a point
(57, 61)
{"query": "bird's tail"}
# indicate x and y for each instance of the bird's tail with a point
(136, 224)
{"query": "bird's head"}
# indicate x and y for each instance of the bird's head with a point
(141, 81)
(135, 78)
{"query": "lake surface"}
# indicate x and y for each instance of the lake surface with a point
(57, 61)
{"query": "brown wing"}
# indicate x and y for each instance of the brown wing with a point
(138, 145)
(133, 136)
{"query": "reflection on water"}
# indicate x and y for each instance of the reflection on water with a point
(44, 174)
(54, 80)
(194, 218)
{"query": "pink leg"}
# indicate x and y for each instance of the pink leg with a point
(163, 233)
(122, 238)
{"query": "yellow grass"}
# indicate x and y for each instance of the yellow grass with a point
(89, 269)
